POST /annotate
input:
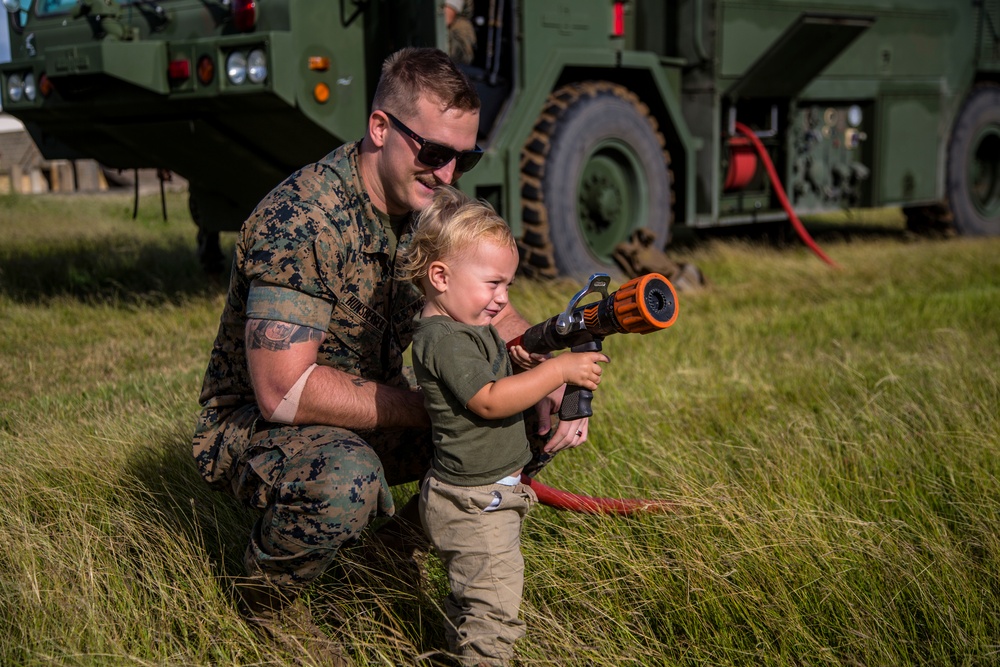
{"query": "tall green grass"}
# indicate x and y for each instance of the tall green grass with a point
(828, 439)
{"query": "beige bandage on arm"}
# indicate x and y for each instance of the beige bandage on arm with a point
(285, 412)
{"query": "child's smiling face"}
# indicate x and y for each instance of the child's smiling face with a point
(472, 287)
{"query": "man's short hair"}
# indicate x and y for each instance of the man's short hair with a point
(452, 225)
(411, 72)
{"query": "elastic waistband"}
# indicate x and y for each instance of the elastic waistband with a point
(509, 480)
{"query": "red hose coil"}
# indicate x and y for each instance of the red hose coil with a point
(742, 164)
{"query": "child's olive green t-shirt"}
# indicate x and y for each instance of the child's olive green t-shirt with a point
(453, 361)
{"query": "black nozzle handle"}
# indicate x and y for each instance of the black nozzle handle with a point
(576, 403)
(576, 400)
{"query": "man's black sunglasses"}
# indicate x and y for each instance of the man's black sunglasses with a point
(438, 155)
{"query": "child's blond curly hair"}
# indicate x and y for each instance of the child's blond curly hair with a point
(452, 224)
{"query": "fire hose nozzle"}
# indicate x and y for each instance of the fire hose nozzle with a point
(645, 304)
(642, 305)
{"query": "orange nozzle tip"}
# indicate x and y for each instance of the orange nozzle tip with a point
(646, 303)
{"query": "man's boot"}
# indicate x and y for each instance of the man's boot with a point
(282, 617)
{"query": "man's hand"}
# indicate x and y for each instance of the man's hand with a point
(568, 434)
(525, 359)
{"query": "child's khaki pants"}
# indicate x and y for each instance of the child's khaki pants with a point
(477, 532)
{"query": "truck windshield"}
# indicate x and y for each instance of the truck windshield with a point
(47, 7)
(50, 7)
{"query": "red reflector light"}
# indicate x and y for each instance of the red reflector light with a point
(244, 14)
(179, 70)
(618, 29)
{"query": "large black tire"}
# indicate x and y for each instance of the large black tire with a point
(593, 171)
(973, 178)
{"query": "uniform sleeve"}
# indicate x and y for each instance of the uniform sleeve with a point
(276, 302)
(459, 362)
(291, 256)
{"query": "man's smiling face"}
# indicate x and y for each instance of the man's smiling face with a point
(409, 184)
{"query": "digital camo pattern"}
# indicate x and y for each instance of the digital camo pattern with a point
(313, 231)
(462, 40)
(318, 488)
(461, 33)
(316, 253)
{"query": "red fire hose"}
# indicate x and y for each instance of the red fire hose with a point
(780, 191)
(564, 500)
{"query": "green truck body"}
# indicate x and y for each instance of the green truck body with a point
(599, 117)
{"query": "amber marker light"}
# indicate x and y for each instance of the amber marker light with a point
(319, 63)
(206, 70)
(45, 86)
(321, 92)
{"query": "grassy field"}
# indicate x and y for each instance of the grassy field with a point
(829, 439)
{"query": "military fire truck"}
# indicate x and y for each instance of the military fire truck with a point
(600, 117)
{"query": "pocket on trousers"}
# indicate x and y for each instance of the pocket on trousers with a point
(498, 498)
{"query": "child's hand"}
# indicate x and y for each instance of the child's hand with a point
(525, 359)
(581, 368)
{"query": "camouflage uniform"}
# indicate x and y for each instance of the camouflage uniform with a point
(314, 253)
(461, 33)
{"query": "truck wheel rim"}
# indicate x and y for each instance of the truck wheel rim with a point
(612, 197)
(984, 173)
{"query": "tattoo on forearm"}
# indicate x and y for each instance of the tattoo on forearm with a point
(275, 336)
(359, 382)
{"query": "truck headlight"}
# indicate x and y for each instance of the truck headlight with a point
(236, 68)
(30, 90)
(257, 66)
(15, 88)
